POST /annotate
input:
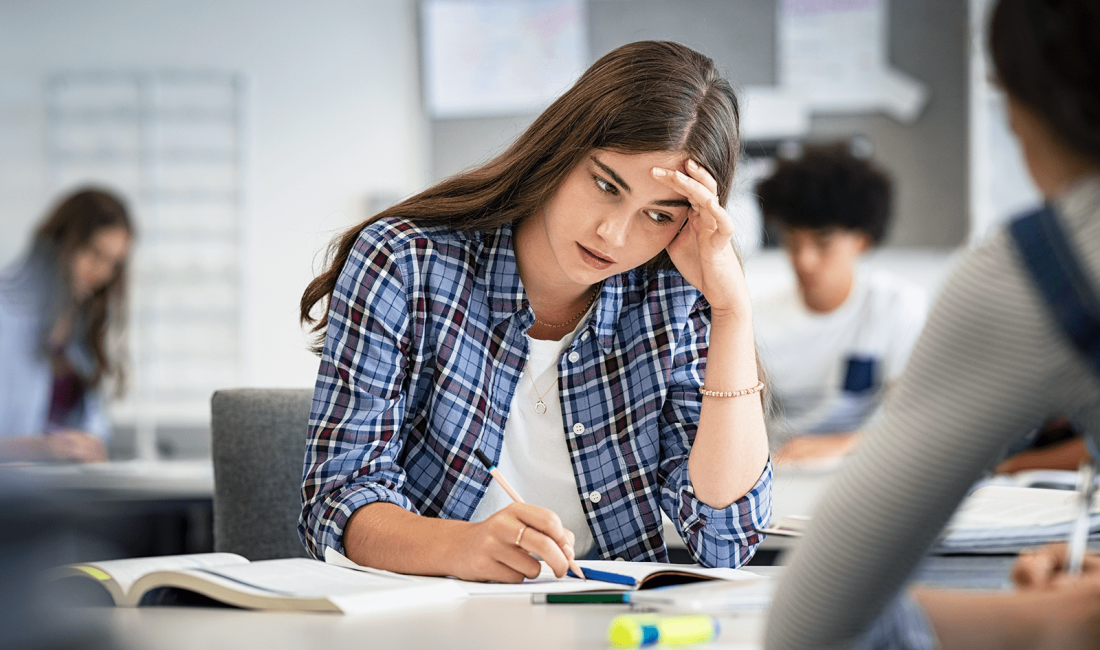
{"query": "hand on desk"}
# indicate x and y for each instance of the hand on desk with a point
(811, 447)
(1044, 568)
(64, 446)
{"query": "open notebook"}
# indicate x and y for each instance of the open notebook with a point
(286, 584)
(646, 575)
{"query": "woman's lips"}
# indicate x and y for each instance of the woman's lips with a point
(594, 260)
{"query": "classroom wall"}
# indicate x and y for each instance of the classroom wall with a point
(927, 39)
(335, 126)
(332, 117)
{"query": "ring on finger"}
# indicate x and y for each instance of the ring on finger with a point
(519, 537)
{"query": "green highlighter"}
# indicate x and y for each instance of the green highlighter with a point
(636, 630)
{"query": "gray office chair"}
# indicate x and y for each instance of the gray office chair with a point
(259, 441)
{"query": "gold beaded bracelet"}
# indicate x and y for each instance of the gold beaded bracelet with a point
(737, 393)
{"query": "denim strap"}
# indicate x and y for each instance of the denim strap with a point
(1052, 262)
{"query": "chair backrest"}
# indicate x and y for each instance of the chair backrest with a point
(259, 441)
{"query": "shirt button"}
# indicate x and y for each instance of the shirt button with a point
(595, 497)
(584, 336)
(620, 559)
(574, 356)
(578, 428)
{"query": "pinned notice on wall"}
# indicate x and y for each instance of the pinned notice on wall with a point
(500, 57)
(832, 58)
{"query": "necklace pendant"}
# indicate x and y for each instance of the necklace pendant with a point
(540, 407)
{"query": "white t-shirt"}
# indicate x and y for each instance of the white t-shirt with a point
(829, 371)
(534, 456)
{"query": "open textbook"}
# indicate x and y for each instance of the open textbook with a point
(286, 584)
(644, 575)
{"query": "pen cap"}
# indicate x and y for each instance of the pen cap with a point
(484, 459)
(633, 630)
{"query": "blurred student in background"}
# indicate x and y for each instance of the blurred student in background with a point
(833, 342)
(57, 307)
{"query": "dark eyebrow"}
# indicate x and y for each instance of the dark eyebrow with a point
(673, 203)
(667, 203)
(611, 172)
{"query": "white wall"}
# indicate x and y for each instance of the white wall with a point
(333, 115)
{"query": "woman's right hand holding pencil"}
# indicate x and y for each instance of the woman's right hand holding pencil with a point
(500, 548)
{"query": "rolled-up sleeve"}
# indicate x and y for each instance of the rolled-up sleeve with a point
(714, 538)
(354, 445)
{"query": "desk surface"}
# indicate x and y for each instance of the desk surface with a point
(130, 479)
(481, 622)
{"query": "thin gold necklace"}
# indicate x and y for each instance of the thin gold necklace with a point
(595, 292)
(540, 406)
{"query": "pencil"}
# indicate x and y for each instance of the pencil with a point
(499, 478)
(1079, 538)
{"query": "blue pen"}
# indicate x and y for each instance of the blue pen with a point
(606, 576)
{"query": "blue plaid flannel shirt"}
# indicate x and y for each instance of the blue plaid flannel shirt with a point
(424, 348)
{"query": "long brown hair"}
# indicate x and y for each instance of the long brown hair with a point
(69, 228)
(642, 97)
(1047, 55)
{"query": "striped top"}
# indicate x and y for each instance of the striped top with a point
(991, 365)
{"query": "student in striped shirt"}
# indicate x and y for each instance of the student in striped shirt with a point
(993, 362)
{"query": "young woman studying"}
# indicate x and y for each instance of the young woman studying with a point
(995, 360)
(56, 309)
(575, 310)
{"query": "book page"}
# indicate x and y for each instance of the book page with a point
(639, 570)
(789, 526)
(716, 596)
(301, 584)
(126, 572)
(547, 583)
(305, 578)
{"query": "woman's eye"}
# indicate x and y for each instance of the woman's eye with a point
(659, 217)
(605, 186)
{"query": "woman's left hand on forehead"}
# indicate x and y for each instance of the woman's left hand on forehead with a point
(703, 251)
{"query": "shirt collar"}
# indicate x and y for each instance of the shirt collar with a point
(500, 275)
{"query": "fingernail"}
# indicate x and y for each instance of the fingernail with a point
(692, 165)
(659, 173)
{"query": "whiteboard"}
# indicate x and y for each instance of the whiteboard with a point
(500, 57)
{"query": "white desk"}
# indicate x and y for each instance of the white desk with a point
(481, 622)
(125, 508)
(131, 479)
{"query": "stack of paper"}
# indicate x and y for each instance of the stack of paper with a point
(1004, 519)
